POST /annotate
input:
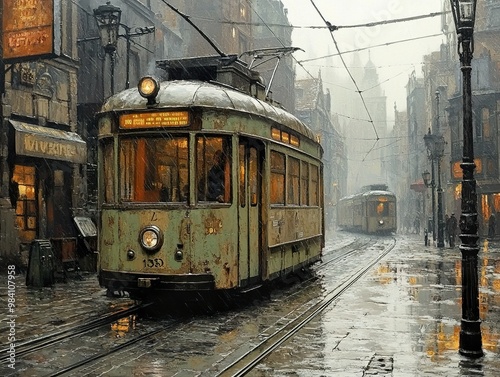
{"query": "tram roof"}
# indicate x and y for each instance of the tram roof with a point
(191, 93)
(368, 193)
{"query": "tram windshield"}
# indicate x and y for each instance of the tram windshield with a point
(154, 169)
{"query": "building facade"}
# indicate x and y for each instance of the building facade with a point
(42, 156)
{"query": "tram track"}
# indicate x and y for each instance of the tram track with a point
(32, 345)
(253, 356)
(283, 317)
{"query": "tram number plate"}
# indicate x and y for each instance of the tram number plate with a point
(156, 262)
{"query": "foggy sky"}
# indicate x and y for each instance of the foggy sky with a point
(394, 62)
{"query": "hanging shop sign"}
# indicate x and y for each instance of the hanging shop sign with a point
(31, 29)
(44, 142)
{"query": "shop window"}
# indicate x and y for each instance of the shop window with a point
(26, 213)
(213, 169)
(496, 203)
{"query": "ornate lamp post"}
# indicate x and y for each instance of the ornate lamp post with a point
(429, 182)
(108, 19)
(464, 15)
(435, 146)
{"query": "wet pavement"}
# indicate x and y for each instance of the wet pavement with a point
(402, 319)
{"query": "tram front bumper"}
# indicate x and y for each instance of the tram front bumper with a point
(127, 281)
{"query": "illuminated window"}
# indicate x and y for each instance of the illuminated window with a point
(25, 201)
(276, 134)
(285, 137)
(154, 170)
(253, 177)
(213, 169)
(242, 176)
(277, 178)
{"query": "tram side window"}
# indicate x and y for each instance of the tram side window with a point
(108, 181)
(314, 185)
(154, 169)
(213, 169)
(277, 178)
(304, 183)
(293, 181)
(243, 193)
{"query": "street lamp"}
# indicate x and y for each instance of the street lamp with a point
(464, 15)
(428, 139)
(429, 182)
(435, 146)
(108, 19)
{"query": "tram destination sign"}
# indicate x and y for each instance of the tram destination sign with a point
(30, 29)
(155, 120)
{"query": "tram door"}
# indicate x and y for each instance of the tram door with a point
(249, 202)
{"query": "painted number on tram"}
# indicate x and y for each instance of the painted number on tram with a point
(156, 262)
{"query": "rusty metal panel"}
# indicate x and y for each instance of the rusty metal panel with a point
(215, 245)
(286, 225)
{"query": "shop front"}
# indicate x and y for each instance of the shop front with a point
(44, 182)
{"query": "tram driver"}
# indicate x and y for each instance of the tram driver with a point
(215, 188)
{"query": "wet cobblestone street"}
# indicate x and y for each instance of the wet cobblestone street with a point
(400, 319)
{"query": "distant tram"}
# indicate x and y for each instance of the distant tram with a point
(165, 227)
(373, 211)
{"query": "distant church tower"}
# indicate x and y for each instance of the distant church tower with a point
(367, 155)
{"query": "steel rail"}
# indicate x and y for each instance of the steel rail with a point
(253, 357)
(32, 345)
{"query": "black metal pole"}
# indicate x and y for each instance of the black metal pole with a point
(112, 56)
(440, 239)
(127, 37)
(433, 198)
(470, 332)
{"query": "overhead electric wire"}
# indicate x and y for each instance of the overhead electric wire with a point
(188, 20)
(373, 46)
(352, 78)
(279, 40)
(329, 26)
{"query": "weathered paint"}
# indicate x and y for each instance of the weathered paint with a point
(291, 224)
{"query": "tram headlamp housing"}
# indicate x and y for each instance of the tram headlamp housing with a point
(148, 88)
(381, 222)
(151, 238)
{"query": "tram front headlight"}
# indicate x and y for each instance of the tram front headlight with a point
(151, 238)
(148, 88)
(381, 222)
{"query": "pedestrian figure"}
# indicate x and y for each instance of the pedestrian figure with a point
(491, 226)
(452, 229)
(446, 234)
(416, 225)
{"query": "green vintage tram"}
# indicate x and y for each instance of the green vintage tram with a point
(373, 210)
(165, 226)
